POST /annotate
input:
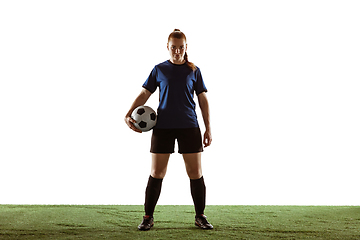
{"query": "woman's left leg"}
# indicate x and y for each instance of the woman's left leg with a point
(193, 165)
(198, 189)
(197, 185)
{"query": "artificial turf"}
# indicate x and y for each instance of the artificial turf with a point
(177, 222)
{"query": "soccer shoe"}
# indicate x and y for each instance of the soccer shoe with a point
(146, 224)
(202, 223)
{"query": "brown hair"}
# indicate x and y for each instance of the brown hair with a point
(180, 35)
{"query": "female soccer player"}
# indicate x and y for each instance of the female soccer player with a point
(177, 80)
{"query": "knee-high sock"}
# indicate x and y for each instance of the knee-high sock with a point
(152, 194)
(198, 193)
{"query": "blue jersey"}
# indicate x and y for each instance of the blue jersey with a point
(177, 84)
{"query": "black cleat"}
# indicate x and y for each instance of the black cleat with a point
(202, 223)
(147, 223)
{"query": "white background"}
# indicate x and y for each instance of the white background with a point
(283, 80)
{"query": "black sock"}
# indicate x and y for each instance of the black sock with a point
(152, 194)
(198, 193)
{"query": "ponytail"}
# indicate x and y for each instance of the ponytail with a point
(190, 64)
(180, 35)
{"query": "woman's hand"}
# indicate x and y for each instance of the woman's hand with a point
(204, 106)
(139, 101)
(207, 138)
(129, 121)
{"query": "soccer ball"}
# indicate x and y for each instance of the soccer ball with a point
(145, 118)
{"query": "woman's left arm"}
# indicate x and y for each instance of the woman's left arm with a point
(204, 106)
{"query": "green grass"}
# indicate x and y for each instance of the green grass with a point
(177, 222)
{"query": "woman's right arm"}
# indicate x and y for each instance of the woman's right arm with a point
(139, 101)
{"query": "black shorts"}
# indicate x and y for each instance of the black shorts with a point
(189, 140)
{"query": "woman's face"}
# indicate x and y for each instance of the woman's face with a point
(177, 48)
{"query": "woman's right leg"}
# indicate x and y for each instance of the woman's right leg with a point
(153, 189)
(159, 164)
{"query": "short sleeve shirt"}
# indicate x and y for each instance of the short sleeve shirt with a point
(177, 84)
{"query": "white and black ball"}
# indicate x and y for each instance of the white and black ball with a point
(145, 118)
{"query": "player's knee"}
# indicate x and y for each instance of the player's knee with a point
(194, 173)
(159, 174)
